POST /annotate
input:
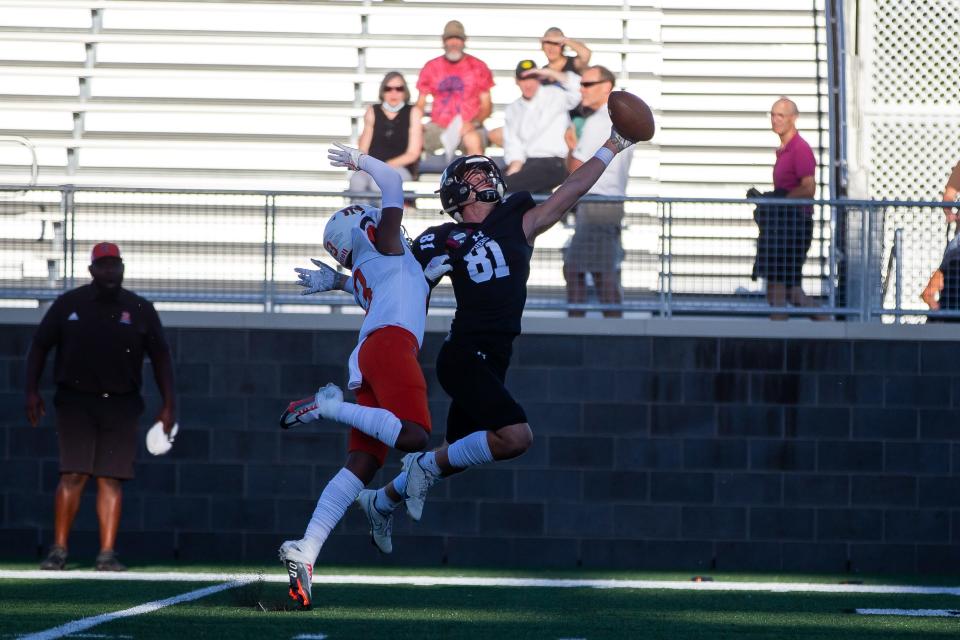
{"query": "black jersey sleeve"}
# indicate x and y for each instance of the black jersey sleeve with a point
(431, 243)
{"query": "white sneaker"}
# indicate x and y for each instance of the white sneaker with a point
(329, 399)
(419, 481)
(381, 525)
(300, 573)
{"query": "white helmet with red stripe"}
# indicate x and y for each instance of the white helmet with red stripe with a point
(338, 234)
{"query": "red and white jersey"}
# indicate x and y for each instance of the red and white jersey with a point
(391, 289)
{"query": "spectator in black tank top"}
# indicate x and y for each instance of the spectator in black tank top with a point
(392, 133)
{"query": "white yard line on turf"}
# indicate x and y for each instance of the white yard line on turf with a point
(915, 613)
(461, 581)
(86, 623)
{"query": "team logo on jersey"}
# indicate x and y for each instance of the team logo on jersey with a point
(479, 240)
(125, 317)
(73, 316)
(456, 239)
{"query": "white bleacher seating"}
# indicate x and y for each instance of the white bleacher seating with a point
(200, 94)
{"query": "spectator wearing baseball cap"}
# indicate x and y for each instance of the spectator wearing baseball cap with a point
(459, 85)
(101, 333)
(534, 126)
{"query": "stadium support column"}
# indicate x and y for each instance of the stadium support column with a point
(83, 92)
(836, 108)
(358, 81)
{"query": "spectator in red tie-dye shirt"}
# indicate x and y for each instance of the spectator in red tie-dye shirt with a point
(460, 86)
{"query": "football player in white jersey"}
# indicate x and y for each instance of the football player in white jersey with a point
(391, 409)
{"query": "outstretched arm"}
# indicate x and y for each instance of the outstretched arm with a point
(546, 214)
(582, 61)
(389, 240)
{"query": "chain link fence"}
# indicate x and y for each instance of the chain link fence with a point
(207, 250)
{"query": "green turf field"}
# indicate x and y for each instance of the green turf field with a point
(258, 609)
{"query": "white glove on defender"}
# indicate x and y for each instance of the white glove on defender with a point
(621, 142)
(344, 156)
(437, 267)
(317, 280)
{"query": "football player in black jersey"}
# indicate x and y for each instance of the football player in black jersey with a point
(488, 247)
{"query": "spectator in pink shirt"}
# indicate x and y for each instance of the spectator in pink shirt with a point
(460, 86)
(787, 231)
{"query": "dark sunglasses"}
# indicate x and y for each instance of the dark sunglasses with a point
(551, 42)
(389, 88)
(589, 83)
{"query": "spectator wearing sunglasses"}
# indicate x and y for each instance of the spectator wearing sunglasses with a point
(392, 133)
(595, 247)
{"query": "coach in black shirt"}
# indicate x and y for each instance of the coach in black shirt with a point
(100, 332)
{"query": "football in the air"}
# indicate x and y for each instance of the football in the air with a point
(631, 116)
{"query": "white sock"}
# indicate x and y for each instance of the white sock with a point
(429, 462)
(382, 501)
(470, 451)
(400, 483)
(376, 423)
(336, 498)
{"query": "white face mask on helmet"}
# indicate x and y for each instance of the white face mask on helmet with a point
(338, 234)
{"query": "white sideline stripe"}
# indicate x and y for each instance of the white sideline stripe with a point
(461, 581)
(92, 621)
(916, 613)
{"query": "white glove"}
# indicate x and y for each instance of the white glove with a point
(437, 267)
(621, 142)
(316, 280)
(344, 156)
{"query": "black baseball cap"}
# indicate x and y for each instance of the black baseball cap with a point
(523, 66)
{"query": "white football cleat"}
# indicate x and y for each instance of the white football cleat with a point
(419, 481)
(302, 411)
(381, 525)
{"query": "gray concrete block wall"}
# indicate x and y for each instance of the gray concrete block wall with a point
(685, 453)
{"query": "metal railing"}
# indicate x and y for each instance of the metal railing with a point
(236, 250)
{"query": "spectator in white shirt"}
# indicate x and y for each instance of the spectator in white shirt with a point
(534, 125)
(595, 247)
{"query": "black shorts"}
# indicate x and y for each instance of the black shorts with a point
(98, 435)
(474, 380)
(782, 246)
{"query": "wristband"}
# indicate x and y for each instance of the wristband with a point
(604, 155)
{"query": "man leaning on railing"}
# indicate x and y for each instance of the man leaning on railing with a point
(786, 235)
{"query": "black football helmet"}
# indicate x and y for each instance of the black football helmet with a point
(454, 190)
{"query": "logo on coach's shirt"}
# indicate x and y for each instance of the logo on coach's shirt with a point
(73, 316)
(125, 317)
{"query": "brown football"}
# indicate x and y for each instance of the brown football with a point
(631, 116)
